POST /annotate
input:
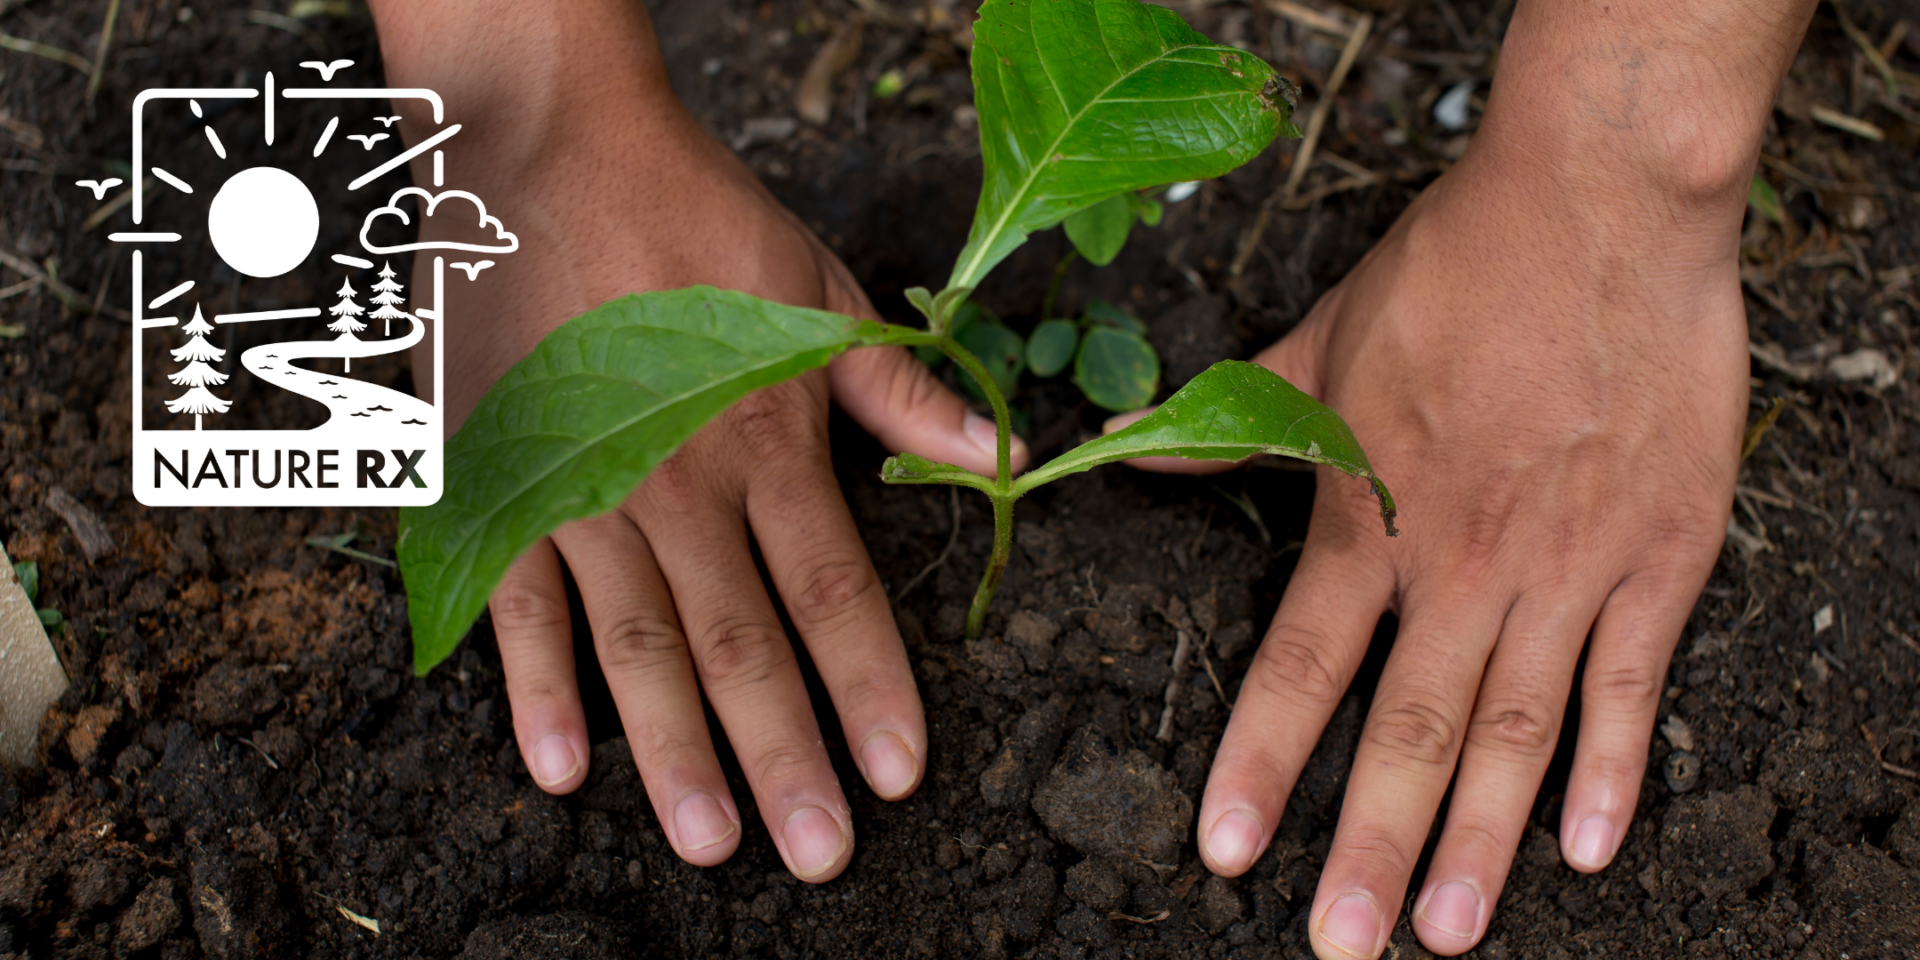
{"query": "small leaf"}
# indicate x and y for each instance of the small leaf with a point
(1765, 200)
(49, 617)
(28, 572)
(1104, 313)
(1051, 346)
(571, 429)
(1117, 369)
(1231, 411)
(922, 300)
(1099, 231)
(1000, 350)
(945, 303)
(1082, 99)
(912, 468)
(1146, 208)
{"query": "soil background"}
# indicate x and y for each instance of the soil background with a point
(244, 760)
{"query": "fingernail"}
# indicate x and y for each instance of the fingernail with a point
(553, 761)
(890, 766)
(814, 841)
(1235, 840)
(981, 431)
(1352, 926)
(1455, 909)
(1592, 843)
(700, 822)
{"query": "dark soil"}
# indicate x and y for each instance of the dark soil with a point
(244, 755)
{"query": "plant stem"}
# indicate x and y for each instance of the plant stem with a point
(1002, 493)
(1053, 290)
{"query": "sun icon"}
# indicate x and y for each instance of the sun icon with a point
(263, 222)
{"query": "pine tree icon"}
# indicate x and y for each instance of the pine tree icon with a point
(196, 374)
(348, 323)
(387, 295)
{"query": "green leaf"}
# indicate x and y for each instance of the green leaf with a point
(1082, 99)
(1051, 346)
(1000, 350)
(571, 429)
(1765, 200)
(1099, 231)
(912, 468)
(1117, 369)
(1231, 411)
(922, 300)
(1102, 312)
(49, 617)
(28, 573)
(1147, 209)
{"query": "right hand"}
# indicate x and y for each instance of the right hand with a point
(617, 190)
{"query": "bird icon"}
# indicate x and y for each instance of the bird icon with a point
(472, 270)
(99, 187)
(367, 141)
(326, 69)
(387, 121)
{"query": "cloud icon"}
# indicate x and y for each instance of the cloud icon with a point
(508, 242)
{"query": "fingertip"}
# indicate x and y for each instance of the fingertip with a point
(1591, 845)
(816, 842)
(705, 832)
(1234, 841)
(889, 765)
(556, 763)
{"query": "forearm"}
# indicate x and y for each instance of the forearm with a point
(1654, 103)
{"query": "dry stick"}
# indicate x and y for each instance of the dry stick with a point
(1895, 769)
(1308, 17)
(1207, 663)
(1303, 158)
(1181, 651)
(1869, 50)
(952, 539)
(39, 49)
(99, 71)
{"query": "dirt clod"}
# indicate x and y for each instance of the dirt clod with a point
(1102, 800)
(1717, 843)
(154, 914)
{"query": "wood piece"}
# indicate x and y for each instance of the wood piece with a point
(31, 677)
(95, 540)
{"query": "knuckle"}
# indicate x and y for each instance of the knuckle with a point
(637, 642)
(1628, 686)
(739, 652)
(775, 418)
(784, 760)
(1416, 729)
(1293, 662)
(1516, 726)
(519, 604)
(1377, 854)
(831, 588)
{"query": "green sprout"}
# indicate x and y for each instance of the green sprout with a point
(1080, 109)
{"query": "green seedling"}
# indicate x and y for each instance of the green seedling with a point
(1080, 102)
(28, 573)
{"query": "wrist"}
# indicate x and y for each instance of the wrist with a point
(1654, 110)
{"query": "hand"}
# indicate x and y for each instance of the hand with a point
(613, 189)
(1545, 359)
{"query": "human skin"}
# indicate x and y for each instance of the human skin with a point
(575, 140)
(1546, 358)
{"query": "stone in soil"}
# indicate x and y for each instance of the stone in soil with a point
(1107, 802)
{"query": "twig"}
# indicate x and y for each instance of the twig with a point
(1182, 649)
(1867, 48)
(261, 750)
(1308, 17)
(1894, 769)
(113, 206)
(1303, 158)
(1156, 918)
(99, 70)
(1207, 663)
(38, 49)
(952, 539)
(1897, 635)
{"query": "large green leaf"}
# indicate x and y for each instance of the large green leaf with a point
(576, 425)
(1231, 411)
(1080, 100)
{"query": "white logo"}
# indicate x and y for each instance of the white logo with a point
(378, 446)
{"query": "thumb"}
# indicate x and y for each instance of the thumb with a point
(1295, 357)
(899, 400)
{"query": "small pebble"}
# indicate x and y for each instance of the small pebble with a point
(1450, 111)
(1683, 771)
